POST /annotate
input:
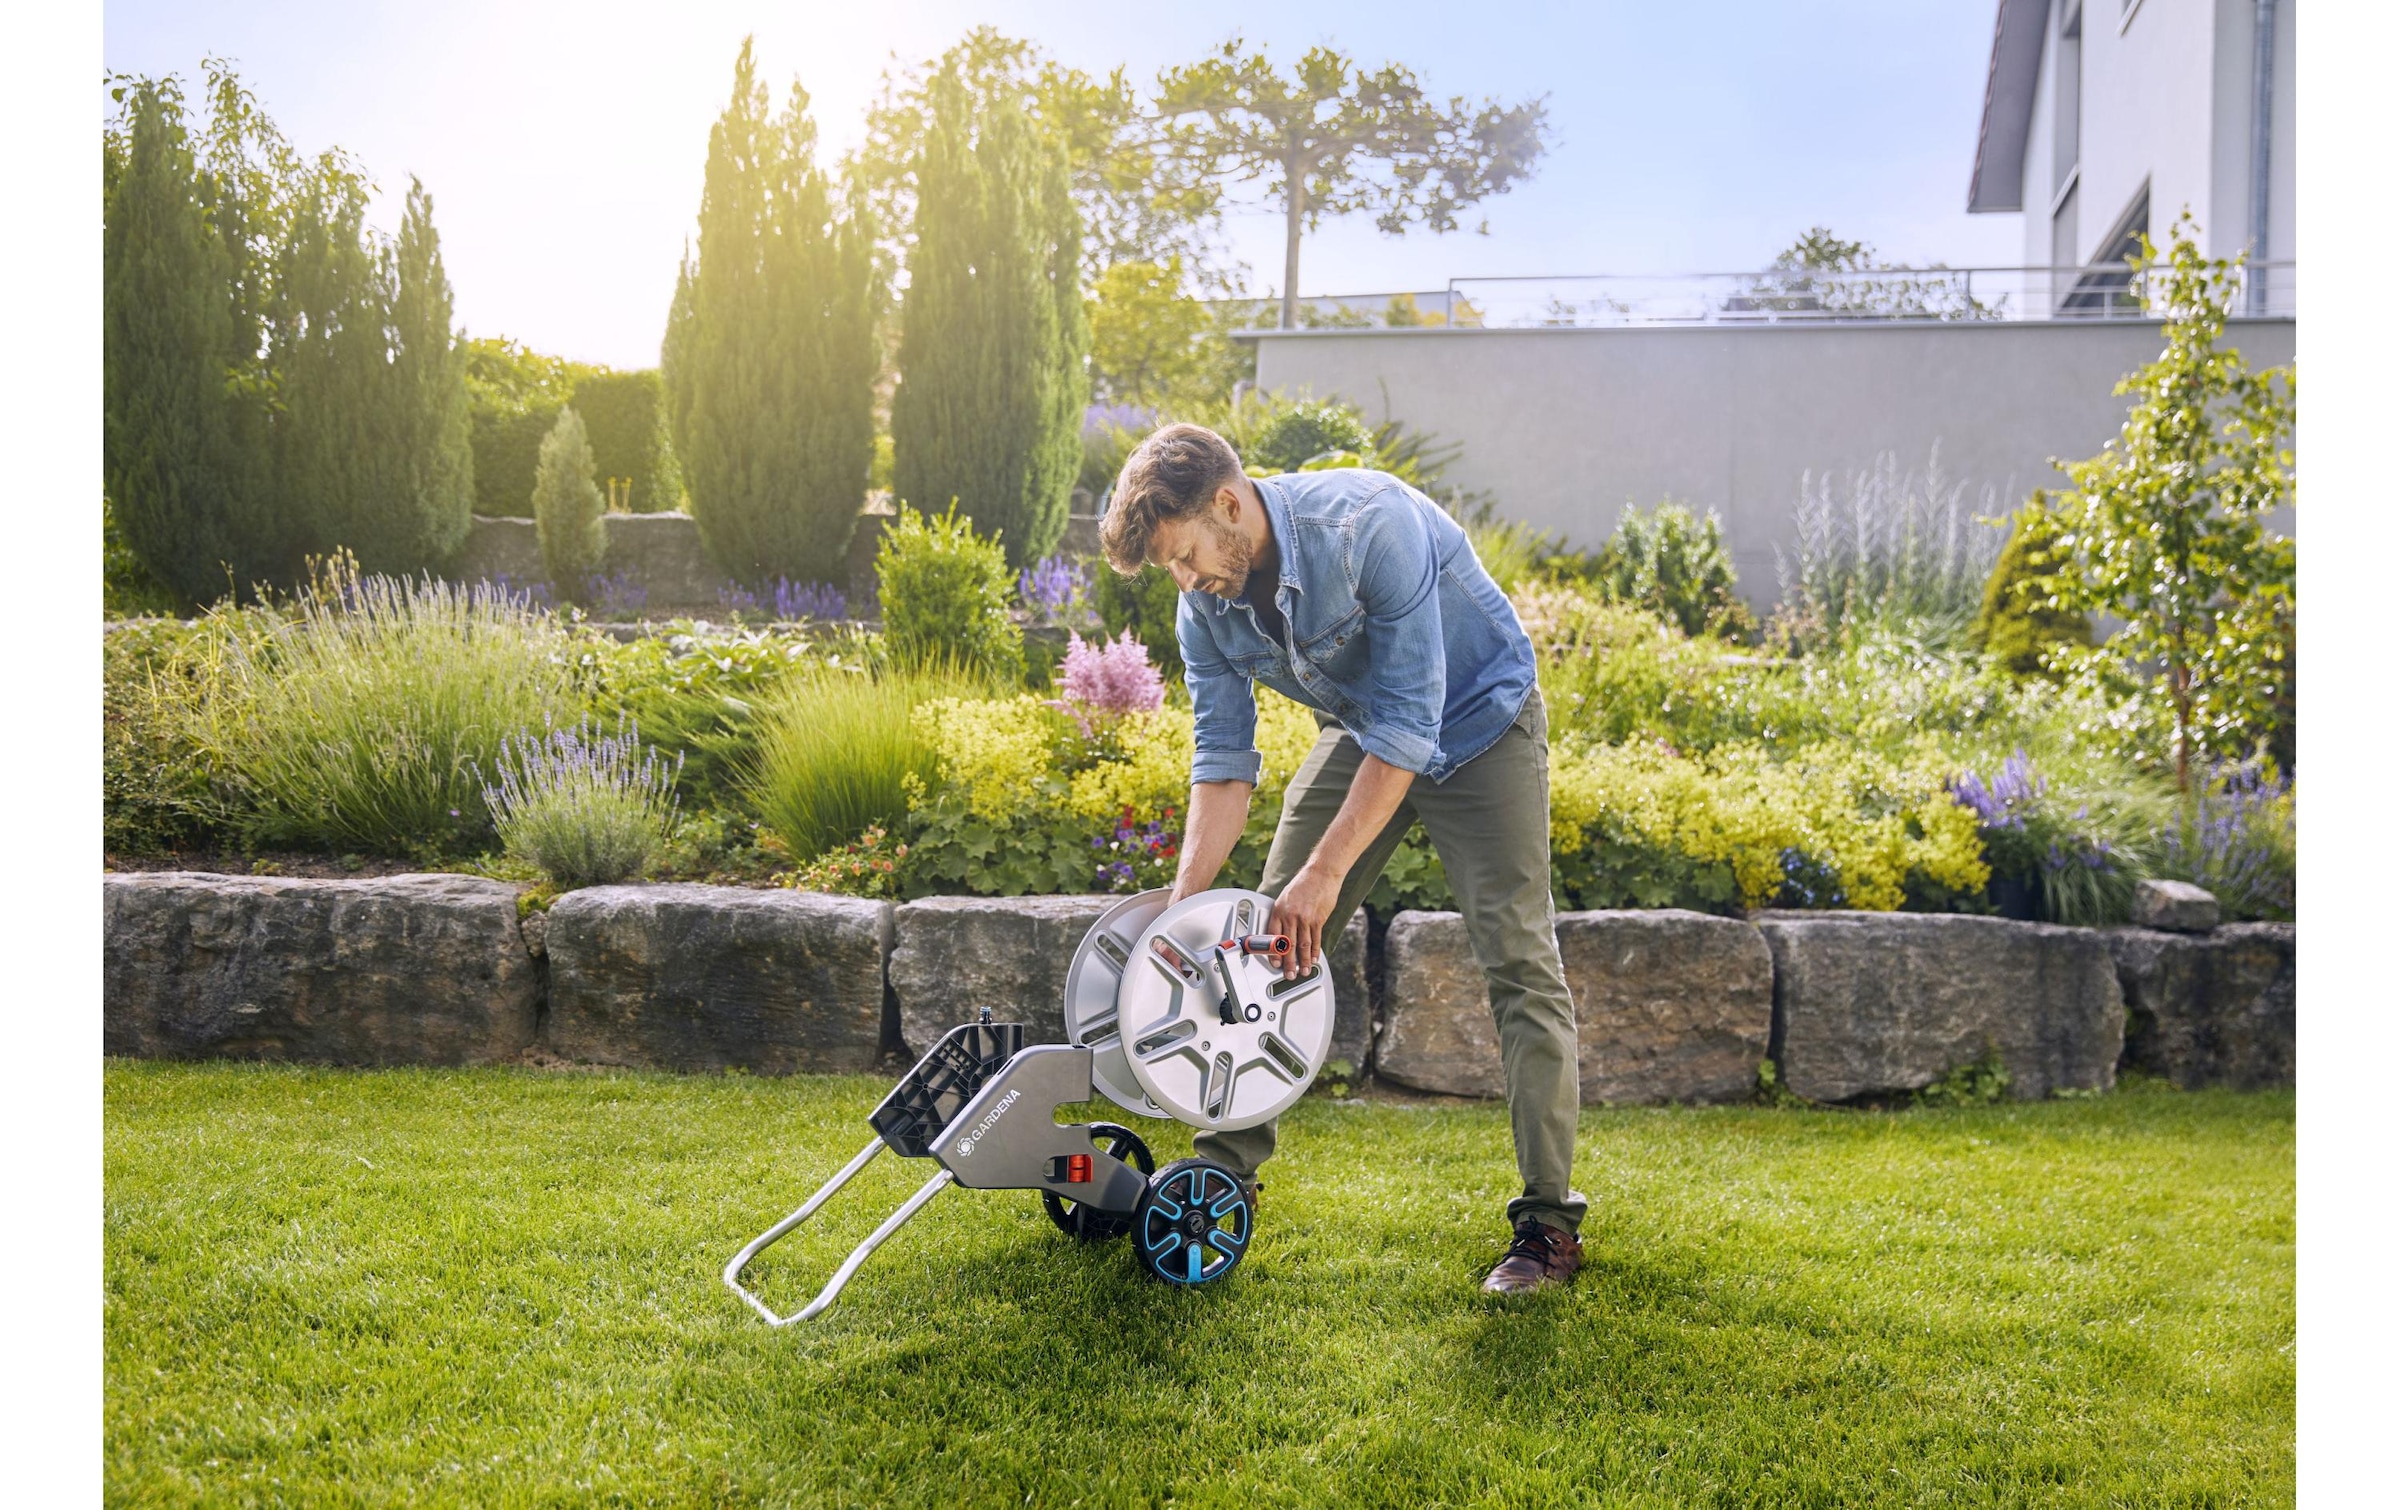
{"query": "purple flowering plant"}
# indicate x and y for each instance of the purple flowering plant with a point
(1101, 681)
(1055, 590)
(2079, 868)
(616, 596)
(1098, 419)
(2234, 835)
(583, 806)
(809, 600)
(1111, 676)
(1137, 856)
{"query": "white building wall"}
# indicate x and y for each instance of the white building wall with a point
(2149, 74)
(2166, 100)
(2041, 147)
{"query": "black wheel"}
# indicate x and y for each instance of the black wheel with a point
(1087, 1223)
(1193, 1224)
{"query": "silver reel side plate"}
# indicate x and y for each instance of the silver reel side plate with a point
(1198, 1067)
(1091, 999)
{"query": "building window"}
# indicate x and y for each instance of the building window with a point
(2062, 229)
(2107, 285)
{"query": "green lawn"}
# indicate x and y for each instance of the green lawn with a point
(500, 1287)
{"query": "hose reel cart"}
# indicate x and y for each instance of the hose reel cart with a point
(1176, 1012)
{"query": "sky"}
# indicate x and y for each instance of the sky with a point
(563, 145)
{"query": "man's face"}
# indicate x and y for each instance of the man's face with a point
(1204, 553)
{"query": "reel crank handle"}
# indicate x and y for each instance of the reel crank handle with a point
(858, 1255)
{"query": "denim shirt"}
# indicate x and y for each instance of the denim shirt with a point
(1391, 624)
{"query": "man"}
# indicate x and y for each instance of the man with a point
(1354, 594)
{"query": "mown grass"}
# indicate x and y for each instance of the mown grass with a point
(499, 1288)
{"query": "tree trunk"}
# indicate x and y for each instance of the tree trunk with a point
(2180, 682)
(1295, 204)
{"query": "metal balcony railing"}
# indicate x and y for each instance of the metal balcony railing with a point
(1779, 296)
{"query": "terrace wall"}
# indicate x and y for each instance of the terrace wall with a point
(1674, 1006)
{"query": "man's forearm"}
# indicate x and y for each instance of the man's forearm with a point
(1212, 826)
(1376, 792)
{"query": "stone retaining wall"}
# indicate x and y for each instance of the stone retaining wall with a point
(408, 970)
(1671, 1006)
(712, 977)
(2210, 1009)
(1883, 1003)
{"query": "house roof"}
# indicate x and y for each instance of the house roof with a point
(1999, 181)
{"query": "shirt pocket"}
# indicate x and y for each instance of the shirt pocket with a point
(1340, 649)
(1254, 664)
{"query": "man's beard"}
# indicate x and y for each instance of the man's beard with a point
(1235, 550)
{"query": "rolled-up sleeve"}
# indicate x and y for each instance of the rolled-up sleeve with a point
(1224, 706)
(1399, 577)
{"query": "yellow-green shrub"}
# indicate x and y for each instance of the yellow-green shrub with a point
(1023, 799)
(1638, 825)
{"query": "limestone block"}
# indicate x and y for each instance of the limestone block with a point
(691, 977)
(2174, 906)
(419, 969)
(1670, 1006)
(1882, 1003)
(2207, 1010)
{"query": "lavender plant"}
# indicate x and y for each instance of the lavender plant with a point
(582, 806)
(361, 720)
(1054, 589)
(616, 596)
(2234, 835)
(2079, 865)
(808, 600)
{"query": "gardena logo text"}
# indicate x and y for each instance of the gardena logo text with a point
(966, 1145)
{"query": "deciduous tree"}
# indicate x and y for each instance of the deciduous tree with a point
(1147, 334)
(1334, 139)
(1136, 203)
(2167, 525)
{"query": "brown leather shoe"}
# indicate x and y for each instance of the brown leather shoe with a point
(1538, 1255)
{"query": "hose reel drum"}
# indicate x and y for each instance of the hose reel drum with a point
(1188, 1015)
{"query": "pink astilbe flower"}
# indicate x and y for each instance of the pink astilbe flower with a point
(1113, 676)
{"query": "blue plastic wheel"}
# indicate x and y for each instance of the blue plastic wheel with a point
(1193, 1224)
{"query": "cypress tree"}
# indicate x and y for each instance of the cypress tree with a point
(430, 469)
(327, 348)
(2017, 622)
(567, 507)
(769, 354)
(372, 442)
(992, 382)
(170, 468)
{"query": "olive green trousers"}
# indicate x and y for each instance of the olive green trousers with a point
(1490, 824)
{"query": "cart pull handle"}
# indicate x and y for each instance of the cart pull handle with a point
(858, 1255)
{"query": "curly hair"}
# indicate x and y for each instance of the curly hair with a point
(1172, 474)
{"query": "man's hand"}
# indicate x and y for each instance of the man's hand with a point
(1376, 793)
(1301, 913)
